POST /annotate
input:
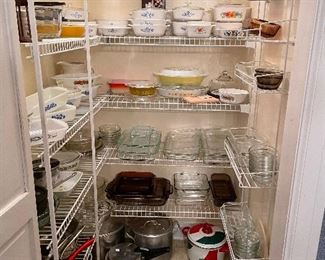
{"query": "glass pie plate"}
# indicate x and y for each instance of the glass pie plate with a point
(183, 144)
(213, 145)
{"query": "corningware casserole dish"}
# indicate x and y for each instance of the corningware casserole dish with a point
(149, 13)
(149, 30)
(65, 113)
(39, 171)
(54, 98)
(199, 29)
(179, 28)
(75, 80)
(69, 160)
(181, 91)
(107, 30)
(149, 21)
(233, 95)
(66, 187)
(228, 30)
(231, 13)
(188, 13)
(56, 130)
(142, 88)
(180, 77)
(113, 23)
(85, 91)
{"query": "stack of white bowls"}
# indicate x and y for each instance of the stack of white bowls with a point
(229, 20)
(113, 27)
(187, 21)
(149, 22)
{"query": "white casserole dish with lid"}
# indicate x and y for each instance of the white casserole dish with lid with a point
(149, 30)
(231, 13)
(149, 13)
(199, 29)
(74, 81)
(233, 95)
(188, 13)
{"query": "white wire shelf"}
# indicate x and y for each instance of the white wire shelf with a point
(234, 215)
(86, 162)
(60, 45)
(174, 41)
(68, 207)
(160, 160)
(122, 102)
(74, 127)
(245, 72)
(170, 210)
(246, 178)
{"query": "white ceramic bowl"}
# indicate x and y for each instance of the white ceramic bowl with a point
(228, 30)
(112, 31)
(74, 81)
(149, 13)
(56, 130)
(198, 29)
(179, 28)
(54, 98)
(113, 23)
(74, 98)
(231, 13)
(233, 95)
(188, 13)
(149, 30)
(149, 21)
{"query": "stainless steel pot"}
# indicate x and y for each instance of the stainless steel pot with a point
(154, 235)
(111, 233)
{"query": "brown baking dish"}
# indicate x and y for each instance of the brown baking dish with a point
(222, 189)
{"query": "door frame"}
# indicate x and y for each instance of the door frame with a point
(300, 199)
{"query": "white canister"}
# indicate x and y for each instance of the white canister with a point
(206, 241)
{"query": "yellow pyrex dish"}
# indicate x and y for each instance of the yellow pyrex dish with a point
(180, 77)
(73, 29)
(142, 88)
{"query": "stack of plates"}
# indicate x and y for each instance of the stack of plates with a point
(139, 143)
(110, 134)
(183, 144)
(213, 145)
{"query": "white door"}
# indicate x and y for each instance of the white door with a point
(18, 218)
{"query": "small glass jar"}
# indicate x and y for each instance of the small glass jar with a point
(48, 19)
(223, 81)
(246, 243)
(262, 163)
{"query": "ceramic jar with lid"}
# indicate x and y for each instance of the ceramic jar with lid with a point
(206, 241)
(224, 80)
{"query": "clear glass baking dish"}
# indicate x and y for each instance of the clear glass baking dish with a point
(213, 145)
(183, 144)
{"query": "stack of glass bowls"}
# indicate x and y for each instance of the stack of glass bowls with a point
(246, 243)
(110, 133)
(262, 162)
